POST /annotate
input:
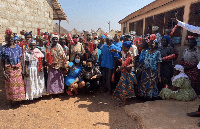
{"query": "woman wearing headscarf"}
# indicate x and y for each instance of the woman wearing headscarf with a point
(56, 59)
(10, 55)
(34, 75)
(190, 59)
(125, 86)
(151, 72)
(181, 87)
(73, 80)
(166, 68)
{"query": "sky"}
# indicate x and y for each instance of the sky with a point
(94, 14)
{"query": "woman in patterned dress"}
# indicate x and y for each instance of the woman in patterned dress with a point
(10, 55)
(190, 59)
(55, 84)
(151, 72)
(34, 77)
(181, 87)
(125, 86)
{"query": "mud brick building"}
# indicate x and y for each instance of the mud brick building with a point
(29, 15)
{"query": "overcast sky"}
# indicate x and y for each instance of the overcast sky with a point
(94, 14)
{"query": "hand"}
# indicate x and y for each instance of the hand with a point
(175, 20)
(6, 76)
(94, 77)
(160, 80)
(26, 74)
(113, 50)
(41, 70)
(118, 69)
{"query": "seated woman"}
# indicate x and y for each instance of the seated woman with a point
(125, 86)
(90, 74)
(72, 80)
(181, 87)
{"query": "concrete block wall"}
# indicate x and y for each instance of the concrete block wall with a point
(25, 15)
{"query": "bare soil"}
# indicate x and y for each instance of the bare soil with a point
(84, 111)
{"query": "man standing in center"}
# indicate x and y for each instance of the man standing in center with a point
(108, 63)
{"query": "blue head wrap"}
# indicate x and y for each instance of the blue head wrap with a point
(127, 44)
(122, 37)
(166, 37)
(103, 37)
(16, 38)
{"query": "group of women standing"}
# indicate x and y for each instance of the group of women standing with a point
(45, 69)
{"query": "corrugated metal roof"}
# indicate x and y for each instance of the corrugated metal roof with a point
(58, 13)
(145, 9)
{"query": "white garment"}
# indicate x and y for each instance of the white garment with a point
(35, 86)
(179, 68)
(198, 66)
(134, 50)
(180, 75)
(159, 38)
(191, 28)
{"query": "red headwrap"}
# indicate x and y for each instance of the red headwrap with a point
(152, 37)
(38, 31)
(91, 47)
(70, 38)
(8, 31)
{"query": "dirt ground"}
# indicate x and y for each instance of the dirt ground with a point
(94, 111)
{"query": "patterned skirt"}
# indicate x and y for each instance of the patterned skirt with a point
(191, 73)
(55, 82)
(15, 88)
(149, 81)
(125, 86)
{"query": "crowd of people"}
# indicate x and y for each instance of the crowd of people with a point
(125, 66)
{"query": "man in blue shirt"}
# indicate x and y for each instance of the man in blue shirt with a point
(108, 64)
(117, 42)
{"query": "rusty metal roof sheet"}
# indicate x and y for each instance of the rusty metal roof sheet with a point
(145, 9)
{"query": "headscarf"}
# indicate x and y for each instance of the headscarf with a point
(152, 37)
(9, 33)
(154, 28)
(103, 37)
(54, 36)
(179, 68)
(16, 37)
(127, 44)
(32, 42)
(166, 37)
(181, 74)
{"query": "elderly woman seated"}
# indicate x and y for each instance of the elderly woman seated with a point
(181, 87)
